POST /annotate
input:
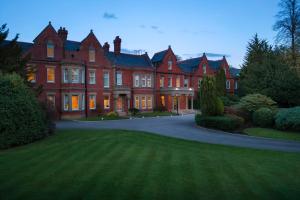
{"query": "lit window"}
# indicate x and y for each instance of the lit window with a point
(161, 81)
(50, 49)
(170, 82)
(149, 102)
(106, 102)
(51, 99)
(75, 75)
(66, 102)
(186, 82)
(92, 102)
(75, 102)
(163, 103)
(50, 74)
(170, 65)
(199, 82)
(148, 81)
(119, 78)
(136, 80)
(106, 79)
(92, 54)
(92, 75)
(177, 81)
(137, 102)
(31, 77)
(143, 102)
(235, 85)
(66, 75)
(204, 69)
(227, 84)
(144, 81)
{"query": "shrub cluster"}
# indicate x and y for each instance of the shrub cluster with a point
(238, 111)
(225, 123)
(134, 111)
(253, 102)
(230, 100)
(22, 119)
(112, 114)
(160, 108)
(263, 117)
(288, 119)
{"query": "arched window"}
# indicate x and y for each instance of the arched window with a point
(50, 49)
(91, 54)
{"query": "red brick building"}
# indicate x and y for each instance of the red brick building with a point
(84, 78)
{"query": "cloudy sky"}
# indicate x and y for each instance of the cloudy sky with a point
(191, 27)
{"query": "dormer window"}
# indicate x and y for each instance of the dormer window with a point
(204, 69)
(50, 49)
(92, 54)
(170, 65)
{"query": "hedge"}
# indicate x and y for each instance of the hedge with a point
(263, 117)
(288, 119)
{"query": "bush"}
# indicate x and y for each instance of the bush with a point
(112, 114)
(288, 119)
(225, 123)
(253, 102)
(134, 111)
(229, 100)
(208, 97)
(263, 117)
(160, 109)
(238, 111)
(22, 119)
(219, 107)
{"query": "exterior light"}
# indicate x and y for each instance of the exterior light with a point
(176, 88)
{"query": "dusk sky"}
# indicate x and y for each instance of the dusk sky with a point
(190, 27)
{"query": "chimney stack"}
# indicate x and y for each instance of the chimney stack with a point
(117, 45)
(63, 33)
(106, 47)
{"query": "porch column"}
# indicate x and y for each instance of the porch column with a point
(172, 101)
(192, 102)
(186, 102)
(128, 102)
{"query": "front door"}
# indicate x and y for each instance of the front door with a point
(120, 104)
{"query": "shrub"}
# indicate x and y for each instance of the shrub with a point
(238, 111)
(225, 123)
(208, 97)
(229, 100)
(112, 114)
(134, 111)
(21, 118)
(219, 107)
(253, 102)
(160, 109)
(288, 119)
(263, 117)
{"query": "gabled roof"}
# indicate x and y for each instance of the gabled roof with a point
(189, 65)
(129, 60)
(72, 45)
(50, 27)
(24, 45)
(234, 72)
(215, 64)
(159, 56)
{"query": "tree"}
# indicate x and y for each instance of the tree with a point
(288, 27)
(221, 83)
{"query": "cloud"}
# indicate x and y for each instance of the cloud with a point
(133, 51)
(142, 26)
(154, 27)
(109, 16)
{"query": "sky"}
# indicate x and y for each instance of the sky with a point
(191, 27)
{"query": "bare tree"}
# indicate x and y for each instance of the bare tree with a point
(288, 27)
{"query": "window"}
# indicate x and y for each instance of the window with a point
(50, 49)
(119, 78)
(227, 84)
(178, 81)
(75, 102)
(149, 102)
(137, 102)
(66, 75)
(92, 75)
(204, 69)
(170, 82)
(199, 82)
(235, 85)
(143, 102)
(163, 102)
(50, 74)
(170, 65)
(31, 77)
(75, 75)
(161, 81)
(82, 102)
(186, 82)
(106, 102)
(148, 81)
(106, 79)
(92, 102)
(66, 102)
(143, 81)
(92, 54)
(136, 80)
(51, 99)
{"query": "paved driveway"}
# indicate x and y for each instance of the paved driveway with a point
(184, 127)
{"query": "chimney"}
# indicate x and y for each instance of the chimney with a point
(106, 47)
(62, 33)
(117, 45)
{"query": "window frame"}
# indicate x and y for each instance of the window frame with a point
(72, 75)
(53, 100)
(78, 96)
(147, 102)
(170, 84)
(92, 54)
(170, 64)
(144, 81)
(50, 45)
(186, 83)
(143, 99)
(50, 68)
(162, 82)
(228, 84)
(177, 81)
(149, 81)
(92, 97)
(119, 78)
(136, 80)
(66, 102)
(105, 78)
(137, 102)
(94, 72)
(108, 100)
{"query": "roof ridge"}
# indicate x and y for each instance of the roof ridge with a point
(181, 61)
(160, 51)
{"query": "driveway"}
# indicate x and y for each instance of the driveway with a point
(184, 127)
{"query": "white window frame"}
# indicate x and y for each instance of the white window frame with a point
(145, 100)
(170, 63)
(119, 78)
(137, 102)
(149, 84)
(66, 75)
(149, 98)
(93, 96)
(136, 80)
(92, 54)
(162, 81)
(144, 82)
(177, 81)
(227, 84)
(66, 102)
(52, 68)
(170, 84)
(235, 85)
(106, 76)
(204, 69)
(75, 69)
(92, 71)
(106, 108)
(186, 83)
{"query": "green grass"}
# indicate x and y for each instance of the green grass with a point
(272, 133)
(104, 117)
(78, 164)
(154, 114)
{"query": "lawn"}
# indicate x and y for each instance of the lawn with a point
(78, 164)
(272, 133)
(103, 117)
(154, 114)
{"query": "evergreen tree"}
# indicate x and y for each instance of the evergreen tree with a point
(208, 96)
(221, 83)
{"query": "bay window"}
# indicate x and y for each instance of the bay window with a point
(148, 81)
(137, 102)
(136, 80)
(149, 102)
(75, 75)
(119, 78)
(143, 102)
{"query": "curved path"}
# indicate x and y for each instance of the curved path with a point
(184, 127)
